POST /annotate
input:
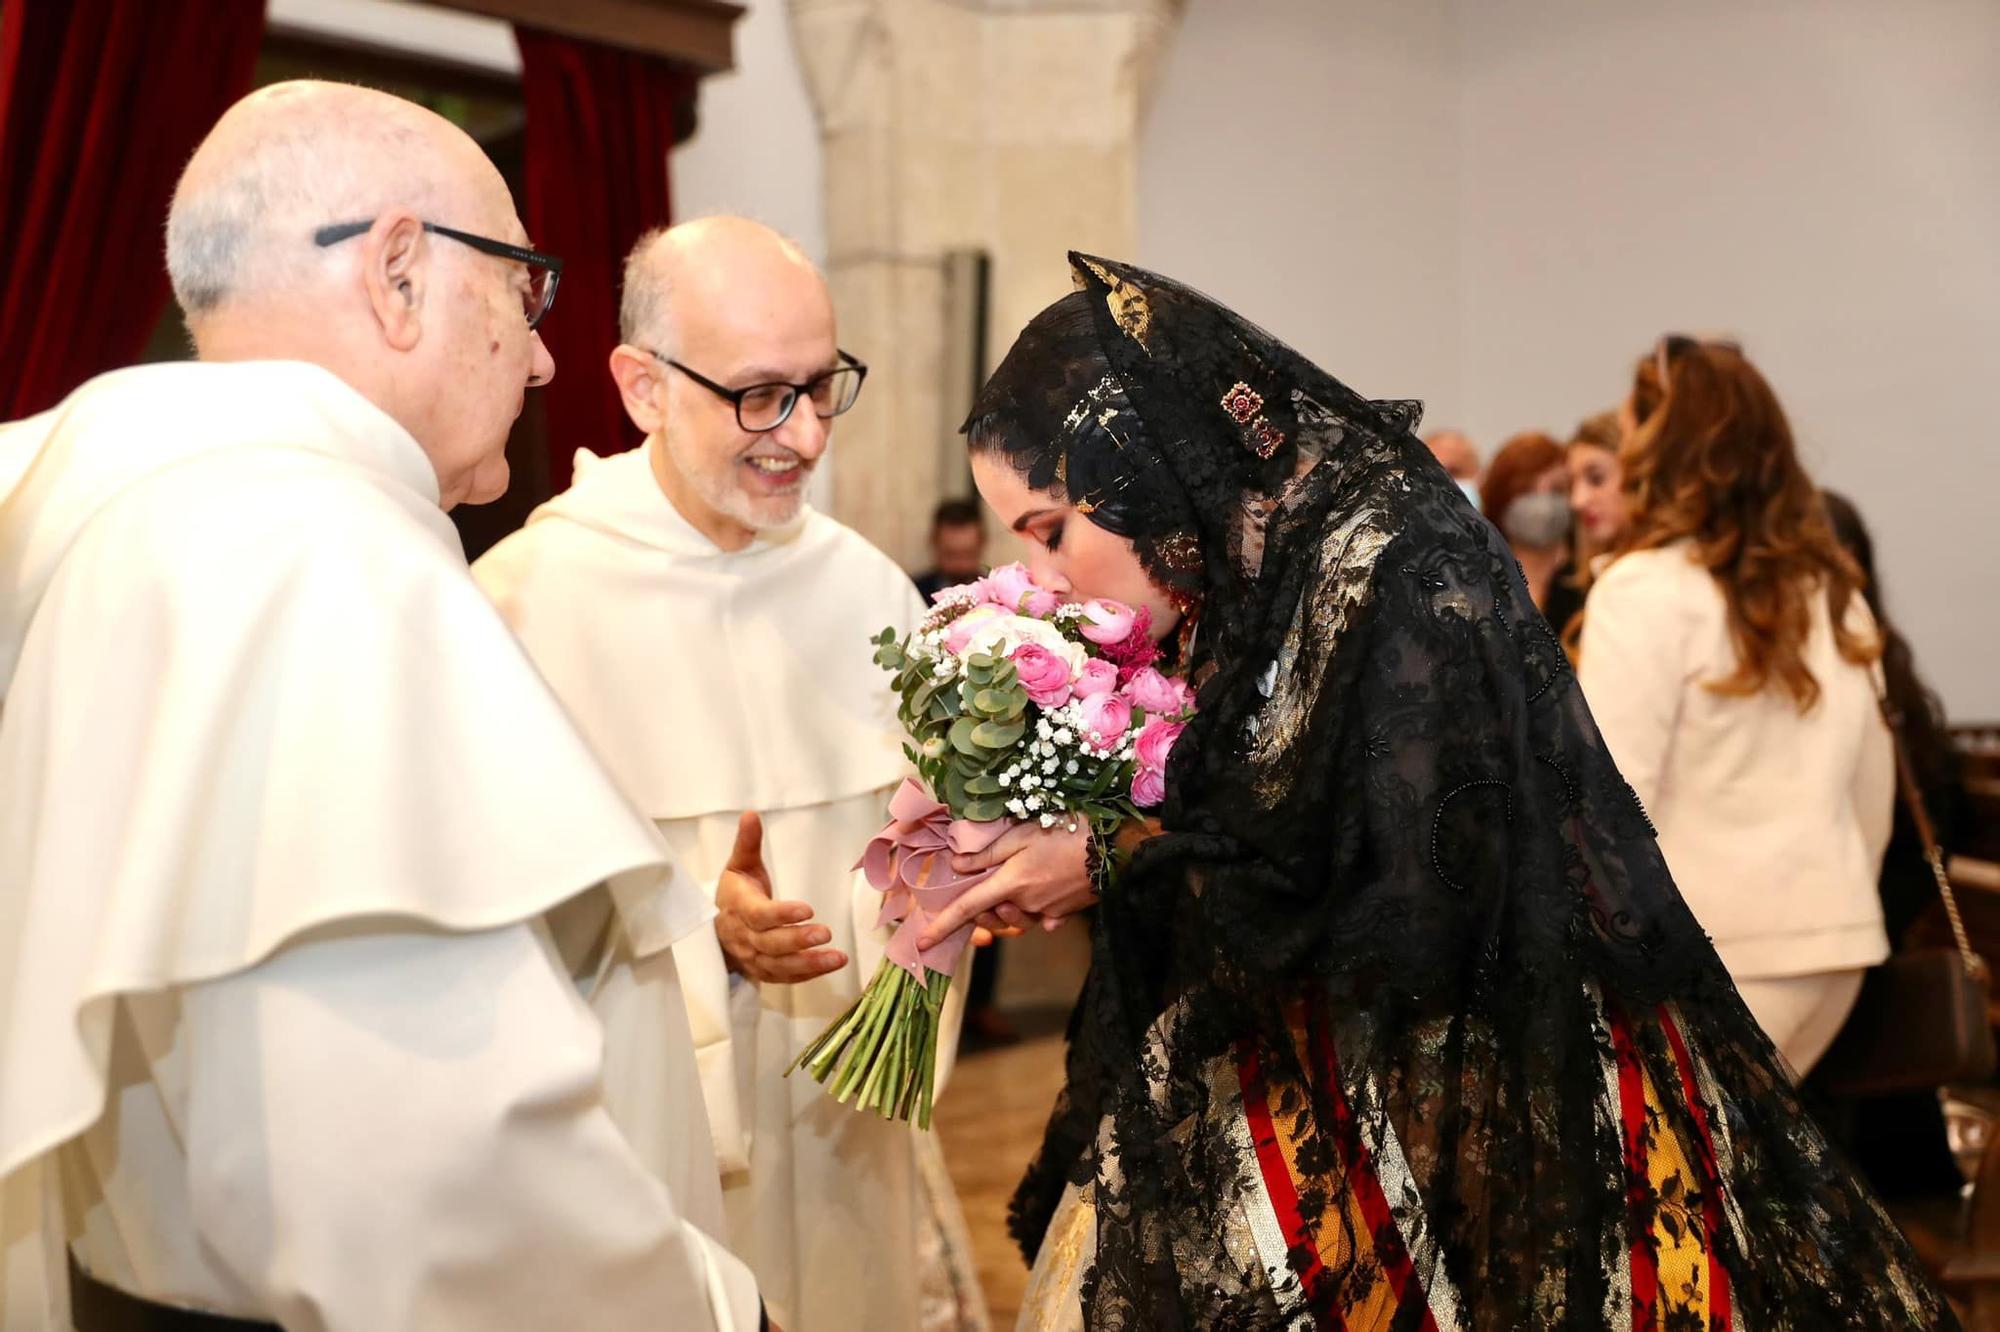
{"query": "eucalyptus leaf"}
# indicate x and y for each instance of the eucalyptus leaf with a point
(962, 737)
(995, 702)
(985, 784)
(983, 810)
(993, 735)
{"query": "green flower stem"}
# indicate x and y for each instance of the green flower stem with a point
(837, 1070)
(888, 1053)
(882, 1052)
(828, 1042)
(855, 1051)
(867, 1045)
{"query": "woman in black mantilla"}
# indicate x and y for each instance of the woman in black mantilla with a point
(1399, 1021)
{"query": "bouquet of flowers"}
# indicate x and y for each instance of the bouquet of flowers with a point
(1019, 708)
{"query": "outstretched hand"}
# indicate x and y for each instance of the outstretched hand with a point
(1041, 873)
(768, 941)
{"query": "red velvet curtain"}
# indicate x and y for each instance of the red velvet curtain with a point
(101, 103)
(599, 125)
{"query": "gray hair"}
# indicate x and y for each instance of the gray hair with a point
(645, 304)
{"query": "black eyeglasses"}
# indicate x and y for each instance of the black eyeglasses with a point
(765, 407)
(544, 270)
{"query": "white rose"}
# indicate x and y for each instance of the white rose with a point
(1000, 634)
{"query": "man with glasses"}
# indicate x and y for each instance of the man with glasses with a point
(710, 633)
(299, 859)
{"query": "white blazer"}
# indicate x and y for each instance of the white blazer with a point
(1773, 822)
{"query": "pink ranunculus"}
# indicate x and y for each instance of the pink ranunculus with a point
(1041, 603)
(1156, 741)
(1160, 695)
(1107, 622)
(1043, 674)
(1107, 717)
(1149, 787)
(1008, 586)
(1098, 676)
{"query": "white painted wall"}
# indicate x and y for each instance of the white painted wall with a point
(1300, 163)
(756, 150)
(1818, 177)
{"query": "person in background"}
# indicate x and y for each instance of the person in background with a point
(1454, 449)
(1727, 655)
(958, 547)
(1524, 496)
(1596, 490)
(1899, 1141)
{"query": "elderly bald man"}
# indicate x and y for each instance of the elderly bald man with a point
(710, 633)
(1454, 449)
(282, 804)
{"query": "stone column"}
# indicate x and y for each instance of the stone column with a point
(1008, 126)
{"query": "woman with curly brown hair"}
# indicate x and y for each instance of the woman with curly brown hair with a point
(1729, 657)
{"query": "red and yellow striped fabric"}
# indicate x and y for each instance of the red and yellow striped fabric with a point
(1673, 1278)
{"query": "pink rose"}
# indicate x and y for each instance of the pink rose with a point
(1015, 591)
(1098, 676)
(1159, 695)
(1149, 787)
(1043, 674)
(1156, 741)
(1107, 622)
(1107, 717)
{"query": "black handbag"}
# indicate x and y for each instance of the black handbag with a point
(1921, 1020)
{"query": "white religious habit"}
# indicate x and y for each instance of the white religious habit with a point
(714, 682)
(283, 1033)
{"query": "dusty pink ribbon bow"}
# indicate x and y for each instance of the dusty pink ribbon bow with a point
(909, 863)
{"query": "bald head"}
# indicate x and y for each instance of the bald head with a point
(1455, 451)
(689, 272)
(294, 157)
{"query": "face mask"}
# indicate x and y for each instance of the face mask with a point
(1471, 489)
(1536, 521)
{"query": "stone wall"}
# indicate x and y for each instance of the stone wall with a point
(1008, 126)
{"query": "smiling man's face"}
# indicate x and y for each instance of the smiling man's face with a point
(757, 317)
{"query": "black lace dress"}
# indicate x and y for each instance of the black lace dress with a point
(1401, 1023)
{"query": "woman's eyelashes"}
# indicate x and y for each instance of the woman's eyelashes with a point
(1053, 538)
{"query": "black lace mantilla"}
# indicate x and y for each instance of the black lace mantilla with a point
(1392, 824)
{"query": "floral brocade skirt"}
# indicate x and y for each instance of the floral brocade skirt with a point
(1668, 1276)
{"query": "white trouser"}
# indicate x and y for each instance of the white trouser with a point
(1802, 1014)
